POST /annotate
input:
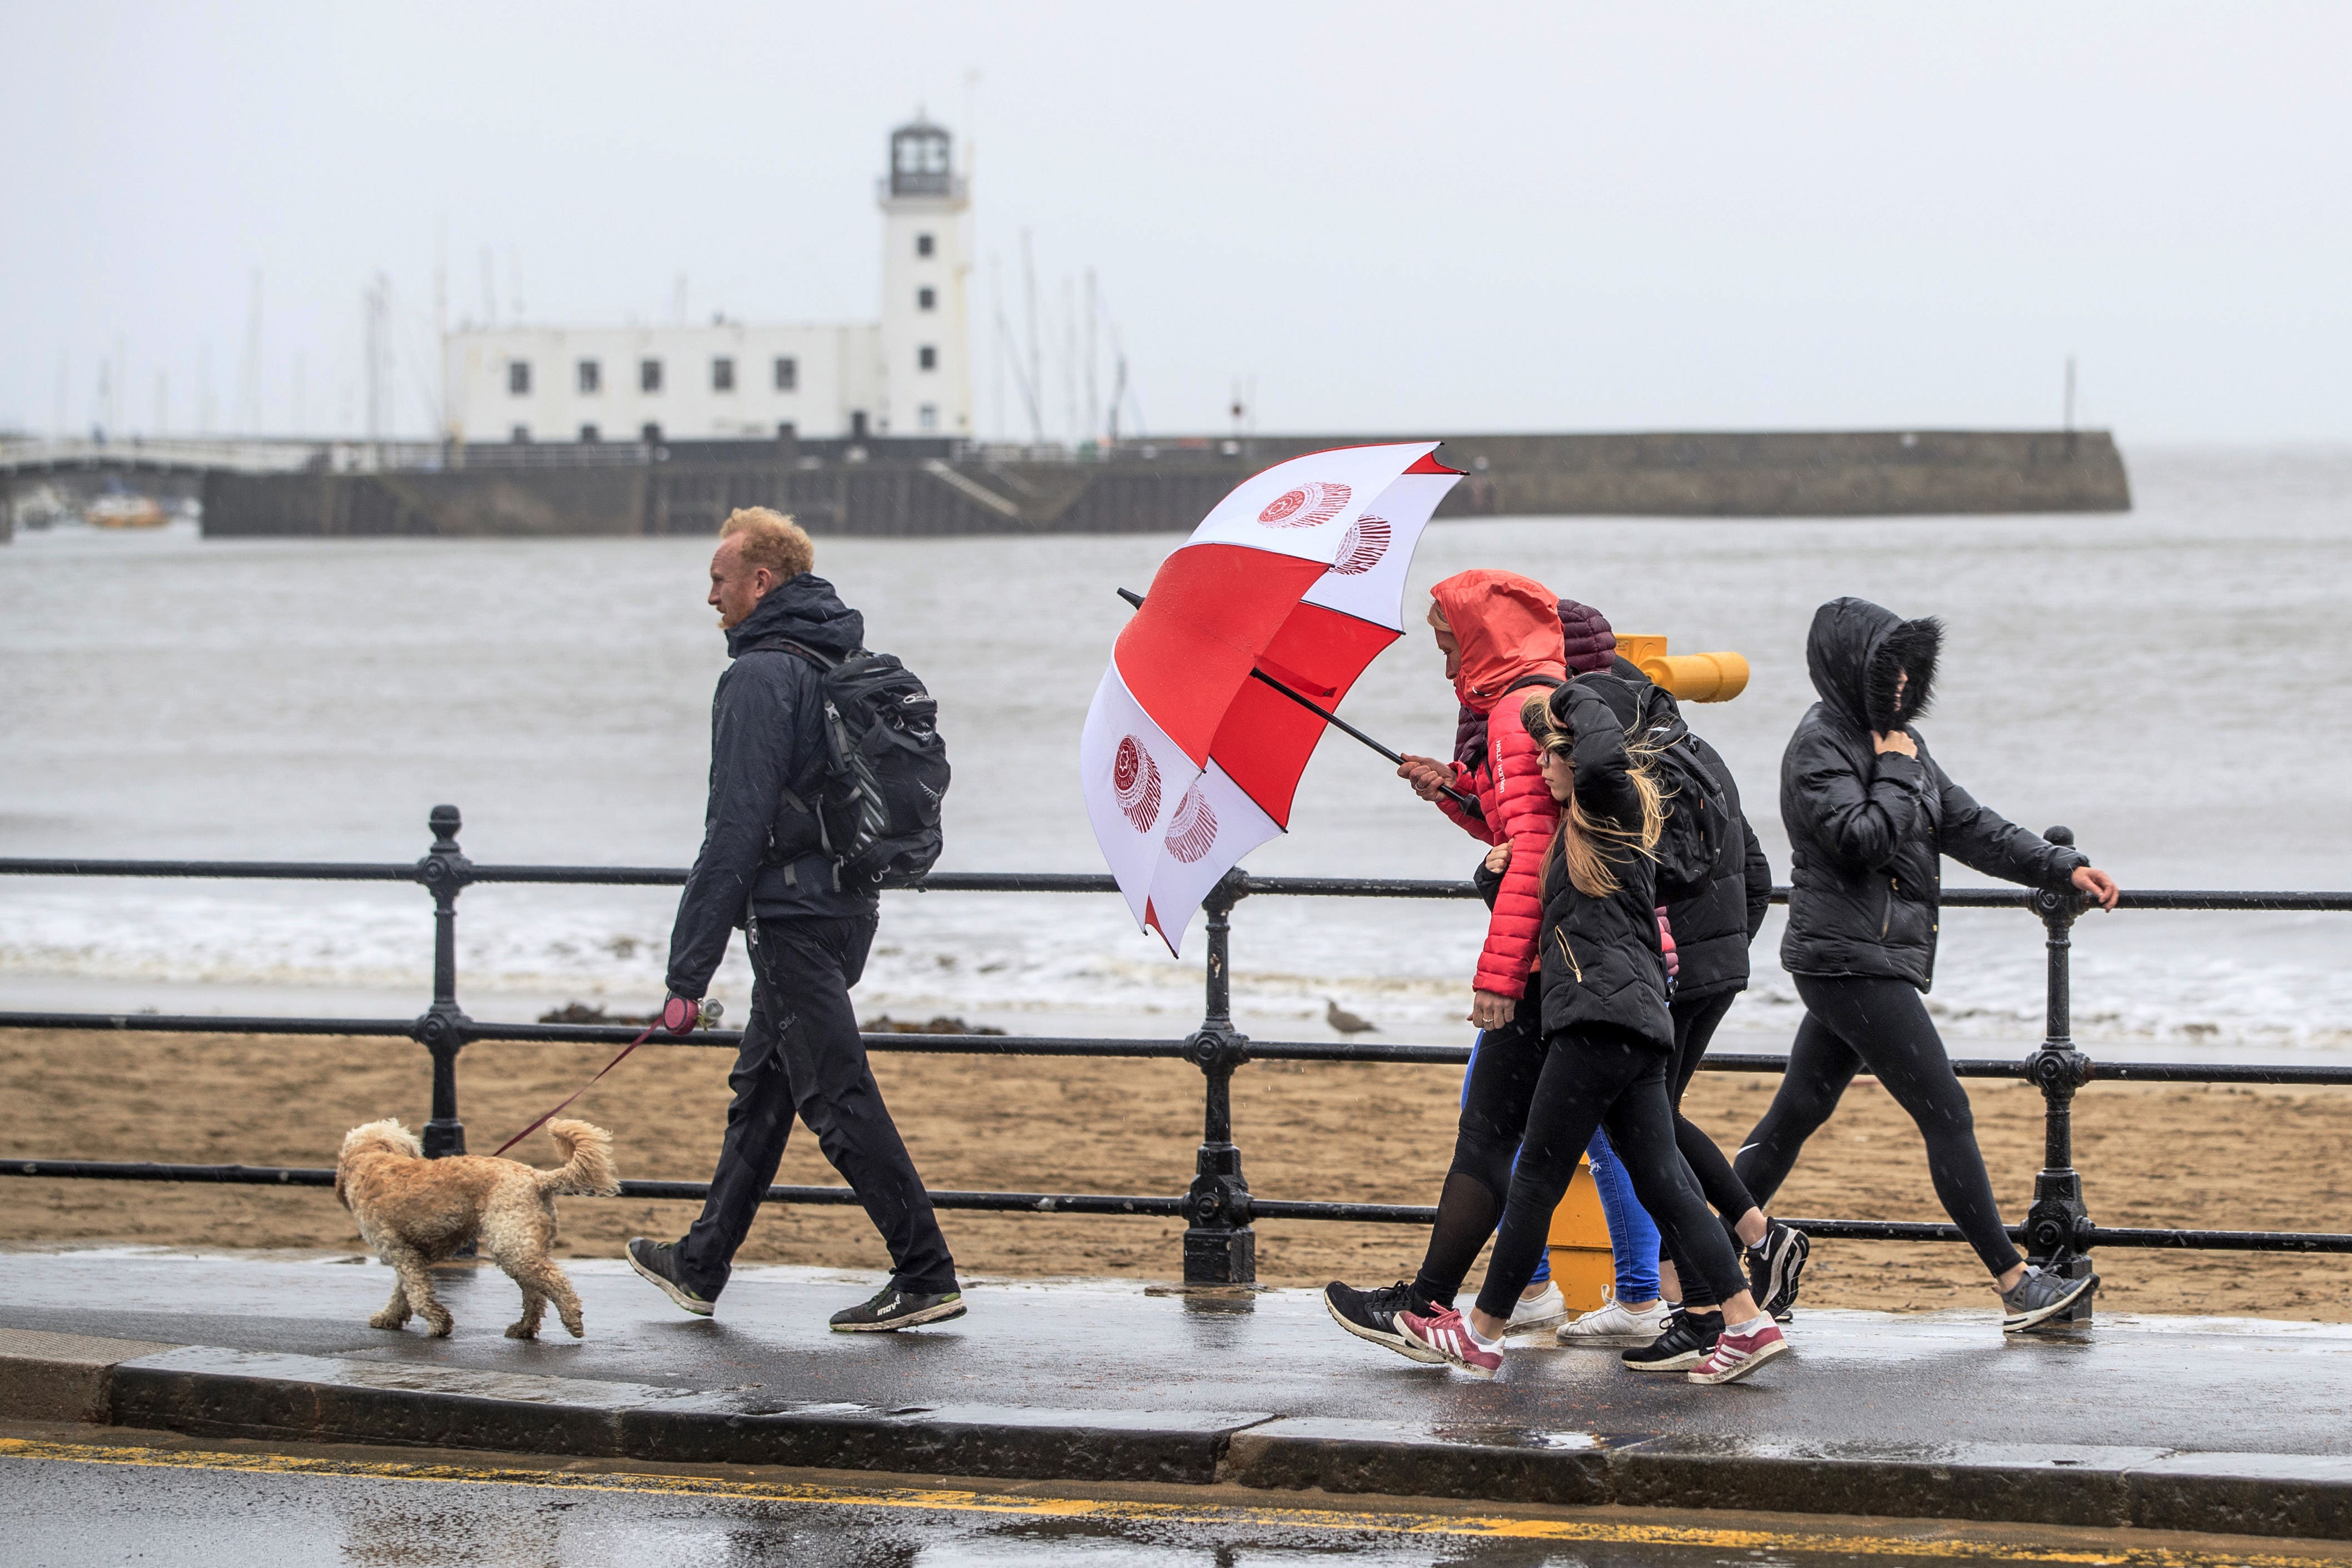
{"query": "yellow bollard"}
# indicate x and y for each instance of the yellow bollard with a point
(1688, 676)
(1582, 1260)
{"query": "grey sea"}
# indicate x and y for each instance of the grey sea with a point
(2174, 684)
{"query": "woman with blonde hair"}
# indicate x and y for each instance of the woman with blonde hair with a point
(1603, 1048)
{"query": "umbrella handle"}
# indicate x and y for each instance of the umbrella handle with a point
(1467, 802)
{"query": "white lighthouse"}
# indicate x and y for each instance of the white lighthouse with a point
(926, 360)
(907, 374)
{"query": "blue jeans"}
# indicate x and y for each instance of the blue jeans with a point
(1632, 1237)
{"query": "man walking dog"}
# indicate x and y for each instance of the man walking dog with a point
(768, 865)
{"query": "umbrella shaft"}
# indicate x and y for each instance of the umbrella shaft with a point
(1328, 716)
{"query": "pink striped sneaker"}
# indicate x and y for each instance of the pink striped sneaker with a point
(1736, 1355)
(1444, 1333)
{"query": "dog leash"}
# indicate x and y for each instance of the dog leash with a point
(679, 1015)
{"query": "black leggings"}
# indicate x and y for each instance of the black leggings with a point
(1694, 1025)
(1852, 1022)
(1540, 1102)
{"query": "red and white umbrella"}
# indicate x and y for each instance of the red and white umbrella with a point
(1191, 755)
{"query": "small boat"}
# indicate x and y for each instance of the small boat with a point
(124, 511)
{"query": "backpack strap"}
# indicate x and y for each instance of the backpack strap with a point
(786, 645)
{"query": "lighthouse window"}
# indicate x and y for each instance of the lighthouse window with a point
(922, 244)
(927, 299)
(649, 376)
(519, 377)
(788, 373)
(592, 376)
(722, 374)
(927, 358)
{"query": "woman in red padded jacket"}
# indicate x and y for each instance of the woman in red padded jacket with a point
(1501, 636)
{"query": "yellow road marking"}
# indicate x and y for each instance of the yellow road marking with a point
(950, 1501)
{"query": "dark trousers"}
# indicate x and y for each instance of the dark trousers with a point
(1694, 1025)
(1582, 1082)
(1852, 1022)
(801, 1054)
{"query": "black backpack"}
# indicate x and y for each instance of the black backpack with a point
(884, 777)
(1699, 815)
(1699, 819)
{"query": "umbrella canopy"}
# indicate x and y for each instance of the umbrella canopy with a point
(1187, 761)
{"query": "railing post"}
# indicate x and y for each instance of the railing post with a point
(441, 1028)
(2058, 1228)
(1220, 1247)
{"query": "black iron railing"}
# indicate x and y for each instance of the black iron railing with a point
(1220, 1240)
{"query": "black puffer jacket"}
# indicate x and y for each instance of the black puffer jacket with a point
(1865, 830)
(766, 732)
(1601, 961)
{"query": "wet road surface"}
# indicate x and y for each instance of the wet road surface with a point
(74, 1497)
(1856, 1377)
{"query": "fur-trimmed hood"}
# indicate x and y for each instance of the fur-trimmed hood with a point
(1855, 651)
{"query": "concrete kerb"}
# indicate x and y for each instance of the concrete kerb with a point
(201, 1391)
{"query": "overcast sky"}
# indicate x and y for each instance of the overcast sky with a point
(1589, 216)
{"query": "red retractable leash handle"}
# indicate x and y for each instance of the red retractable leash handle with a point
(679, 1015)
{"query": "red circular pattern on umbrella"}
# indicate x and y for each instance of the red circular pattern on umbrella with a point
(1312, 505)
(1193, 829)
(1135, 781)
(1366, 540)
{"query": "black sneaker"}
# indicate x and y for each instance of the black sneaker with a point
(1372, 1314)
(1688, 1338)
(1774, 1268)
(657, 1261)
(890, 1309)
(2040, 1296)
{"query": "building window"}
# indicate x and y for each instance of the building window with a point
(922, 244)
(591, 377)
(590, 435)
(722, 374)
(788, 373)
(519, 377)
(649, 376)
(927, 358)
(927, 299)
(927, 416)
(520, 433)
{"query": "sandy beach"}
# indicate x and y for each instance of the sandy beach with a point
(2255, 1158)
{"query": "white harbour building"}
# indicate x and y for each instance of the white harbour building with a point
(908, 373)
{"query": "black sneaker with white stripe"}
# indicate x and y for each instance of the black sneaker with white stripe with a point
(890, 1309)
(1372, 1315)
(1775, 1268)
(1689, 1339)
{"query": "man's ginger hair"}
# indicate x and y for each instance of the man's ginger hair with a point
(770, 540)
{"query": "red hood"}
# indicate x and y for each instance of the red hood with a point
(1509, 625)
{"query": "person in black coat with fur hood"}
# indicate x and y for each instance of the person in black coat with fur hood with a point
(1869, 813)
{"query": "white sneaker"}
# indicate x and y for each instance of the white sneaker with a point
(1535, 1313)
(1613, 1325)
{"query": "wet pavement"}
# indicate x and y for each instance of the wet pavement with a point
(66, 1502)
(2213, 1385)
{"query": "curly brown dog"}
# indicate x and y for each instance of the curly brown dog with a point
(414, 1212)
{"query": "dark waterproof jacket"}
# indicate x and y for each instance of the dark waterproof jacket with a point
(1865, 830)
(1713, 929)
(1603, 966)
(766, 735)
